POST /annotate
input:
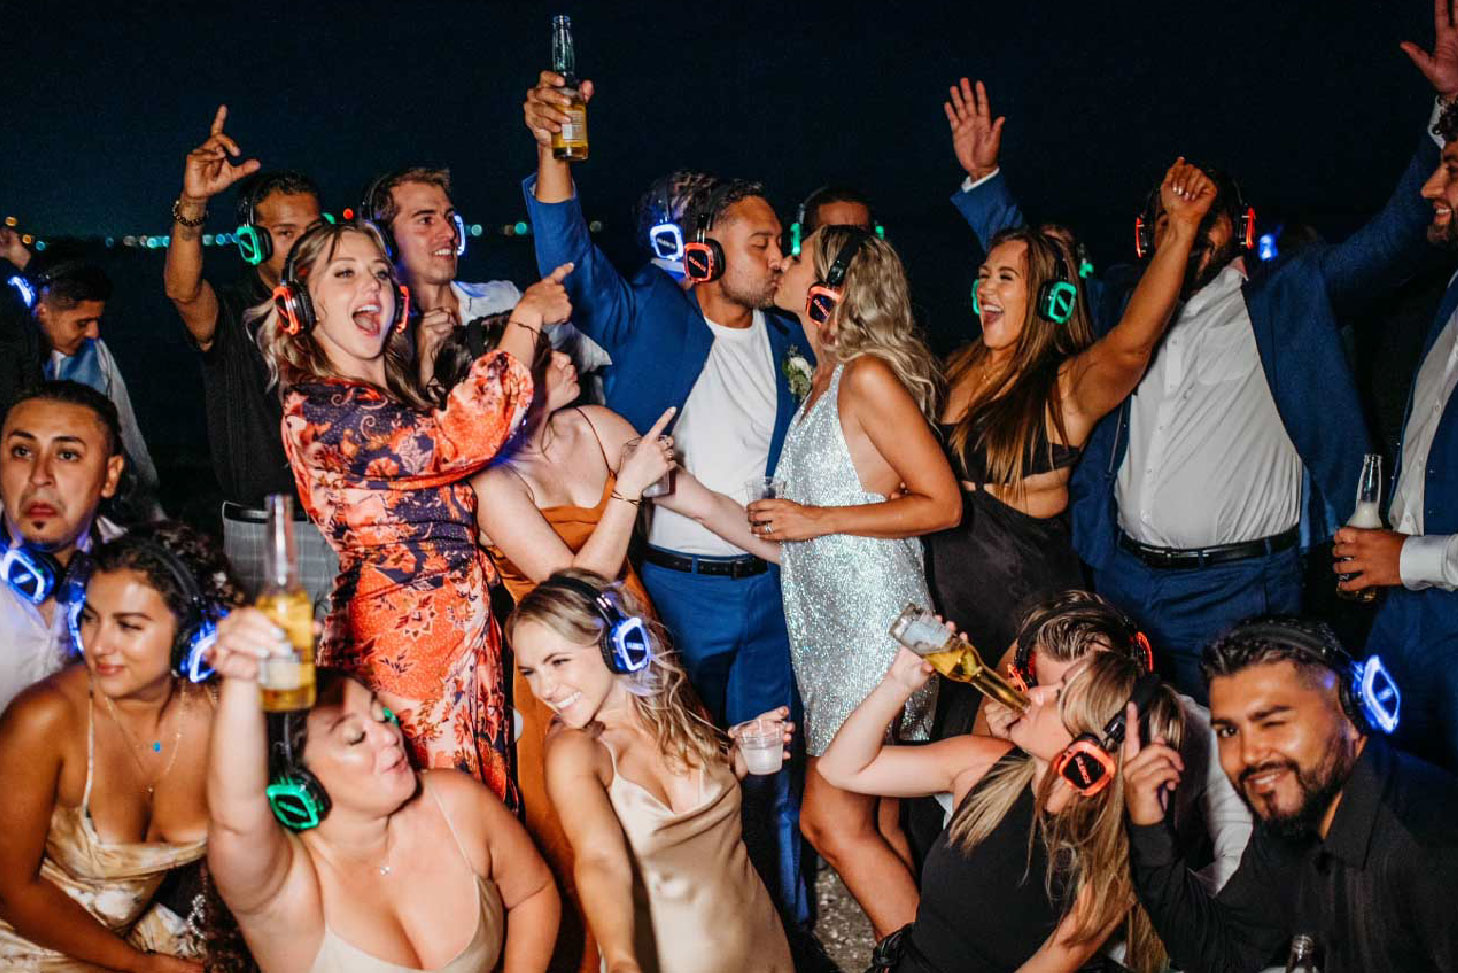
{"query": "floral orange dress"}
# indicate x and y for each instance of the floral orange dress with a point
(410, 616)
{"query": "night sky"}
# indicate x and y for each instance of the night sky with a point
(1310, 104)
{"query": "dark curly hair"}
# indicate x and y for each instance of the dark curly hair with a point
(1070, 624)
(1307, 643)
(204, 560)
(677, 190)
(714, 199)
(1446, 127)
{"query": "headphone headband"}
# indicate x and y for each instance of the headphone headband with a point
(625, 643)
(835, 276)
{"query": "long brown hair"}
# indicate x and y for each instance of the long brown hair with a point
(874, 314)
(1008, 414)
(296, 358)
(1088, 848)
(660, 690)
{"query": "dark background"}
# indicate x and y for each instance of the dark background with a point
(1310, 104)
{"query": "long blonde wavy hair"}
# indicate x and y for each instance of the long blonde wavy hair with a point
(659, 690)
(1009, 412)
(295, 358)
(874, 314)
(1088, 848)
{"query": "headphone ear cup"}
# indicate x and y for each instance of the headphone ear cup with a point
(298, 800)
(1143, 237)
(402, 307)
(976, 305)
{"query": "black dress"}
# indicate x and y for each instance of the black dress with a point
(988, 909)
(989, 569)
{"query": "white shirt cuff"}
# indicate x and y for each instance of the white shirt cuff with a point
(970, 184)
(1433, 121)
(1429, 561)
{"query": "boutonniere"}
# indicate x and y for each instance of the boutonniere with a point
(797, 372)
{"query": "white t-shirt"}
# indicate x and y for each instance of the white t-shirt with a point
(723, 433)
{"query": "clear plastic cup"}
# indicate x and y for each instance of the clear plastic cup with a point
(661, 487)
(764, 488)
(762, 742)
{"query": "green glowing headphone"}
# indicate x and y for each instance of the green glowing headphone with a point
(295, 796)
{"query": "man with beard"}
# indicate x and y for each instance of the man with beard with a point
(1354, 843)
(62, 454)
(1191, 498)
(1417, 560)
(718, 352)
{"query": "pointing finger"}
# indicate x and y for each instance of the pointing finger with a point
(218, 118)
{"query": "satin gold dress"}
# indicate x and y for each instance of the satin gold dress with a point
(699, 905)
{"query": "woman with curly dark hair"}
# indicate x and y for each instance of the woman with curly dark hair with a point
(104, 764)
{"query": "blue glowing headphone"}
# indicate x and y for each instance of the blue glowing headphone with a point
(625, 643)
(197, 628)
(30, 572)
(24, 288)
(665, 236)
(1369, 695)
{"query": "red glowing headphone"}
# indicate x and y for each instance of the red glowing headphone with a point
(703, 258)
(296, 310)
(1088, 763)
(825, 294)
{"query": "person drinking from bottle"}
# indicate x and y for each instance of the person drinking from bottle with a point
(1032, 872)
(654, 821)
(104, 765)
(334, 853)
(382, 469)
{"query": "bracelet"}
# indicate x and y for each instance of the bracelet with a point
(523, 324)
(184, 221)
(618, 496)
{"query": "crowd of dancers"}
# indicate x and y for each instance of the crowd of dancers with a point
(607, 567)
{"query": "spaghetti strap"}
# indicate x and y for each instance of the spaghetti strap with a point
(449, 824)
(601, 451)
(530, 492)
(90, 752)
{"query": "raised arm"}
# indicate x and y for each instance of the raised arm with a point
(250, 855)
(858, 759)
(1096, 380)
(713, 511)
(603, 866)
(874, 401)
(983, 199)
(508, 515)
(208, 172)
(606, 307)
(31, 735)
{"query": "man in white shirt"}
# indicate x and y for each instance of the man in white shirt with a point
(413, 210)
(1416, 632)
(62, 454)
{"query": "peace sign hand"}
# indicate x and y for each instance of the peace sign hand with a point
(208, 170)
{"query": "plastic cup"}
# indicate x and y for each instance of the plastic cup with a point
(762, 742)
(764, 488)
(663, 486)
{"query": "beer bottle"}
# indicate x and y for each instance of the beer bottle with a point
(952, 655)
(571, 142)
(1303, 954)
(1368, 514)
(287, 681)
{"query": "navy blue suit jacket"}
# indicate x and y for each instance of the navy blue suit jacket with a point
(1296, 334)
(652, 327)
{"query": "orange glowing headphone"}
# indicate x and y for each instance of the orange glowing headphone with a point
(1088, 763)
(826, 294)
(296, 309)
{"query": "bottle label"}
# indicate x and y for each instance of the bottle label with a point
(281, 672)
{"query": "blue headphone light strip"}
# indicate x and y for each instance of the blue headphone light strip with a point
(626, 644)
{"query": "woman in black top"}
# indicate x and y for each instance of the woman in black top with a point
(1029, 874)
(1022, 400)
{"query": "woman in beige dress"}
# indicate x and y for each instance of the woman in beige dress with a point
(660, 862)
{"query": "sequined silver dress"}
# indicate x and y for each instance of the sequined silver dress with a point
(841, 592)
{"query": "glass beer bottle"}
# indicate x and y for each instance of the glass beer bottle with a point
(1368, 514)
(287, 681)
(1302, 958)
(571, 142)
(952, 655)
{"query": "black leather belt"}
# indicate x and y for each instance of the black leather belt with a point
(1203, 557)
(745, 566)
(236, 512)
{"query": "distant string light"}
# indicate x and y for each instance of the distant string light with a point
(160, 241)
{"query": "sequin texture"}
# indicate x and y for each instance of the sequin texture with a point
(841, 592)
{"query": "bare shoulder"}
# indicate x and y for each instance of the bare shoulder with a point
(971, 756)
(576, 751)
(48, 711)
(870, 373)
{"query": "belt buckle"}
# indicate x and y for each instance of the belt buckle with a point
(738, 569)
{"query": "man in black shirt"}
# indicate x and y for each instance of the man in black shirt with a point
(1355, 843)
(243, 411)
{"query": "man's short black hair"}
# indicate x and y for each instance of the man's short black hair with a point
(716, 199)
(824, 196)
(1309, 644)
(254, 189)
(1446, 127)
(66, 283)
(75, 393)
(677, 191)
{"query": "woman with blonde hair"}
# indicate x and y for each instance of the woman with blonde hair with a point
(863, 476)
(660, 862)
(1022, 399)
(1032, 872)
(383, 471)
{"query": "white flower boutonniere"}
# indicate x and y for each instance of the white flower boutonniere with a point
(797, 372)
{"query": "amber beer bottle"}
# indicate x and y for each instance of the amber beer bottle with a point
(287, 681)
(571, 142)
(952, 655)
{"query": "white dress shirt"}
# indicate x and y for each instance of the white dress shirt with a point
(494, 296)
(1426, 561)
(1209, 461)
(723, 431)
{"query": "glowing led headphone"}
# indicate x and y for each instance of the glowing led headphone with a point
(797, 228)
(665, 237)
(625, 643)
(296, 308)
(1088, 763)
(825, 294)
(1368, 693)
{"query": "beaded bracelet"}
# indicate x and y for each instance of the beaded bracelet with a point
(184, 221)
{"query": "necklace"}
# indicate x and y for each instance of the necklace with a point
(133, 747)
(383, 869)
